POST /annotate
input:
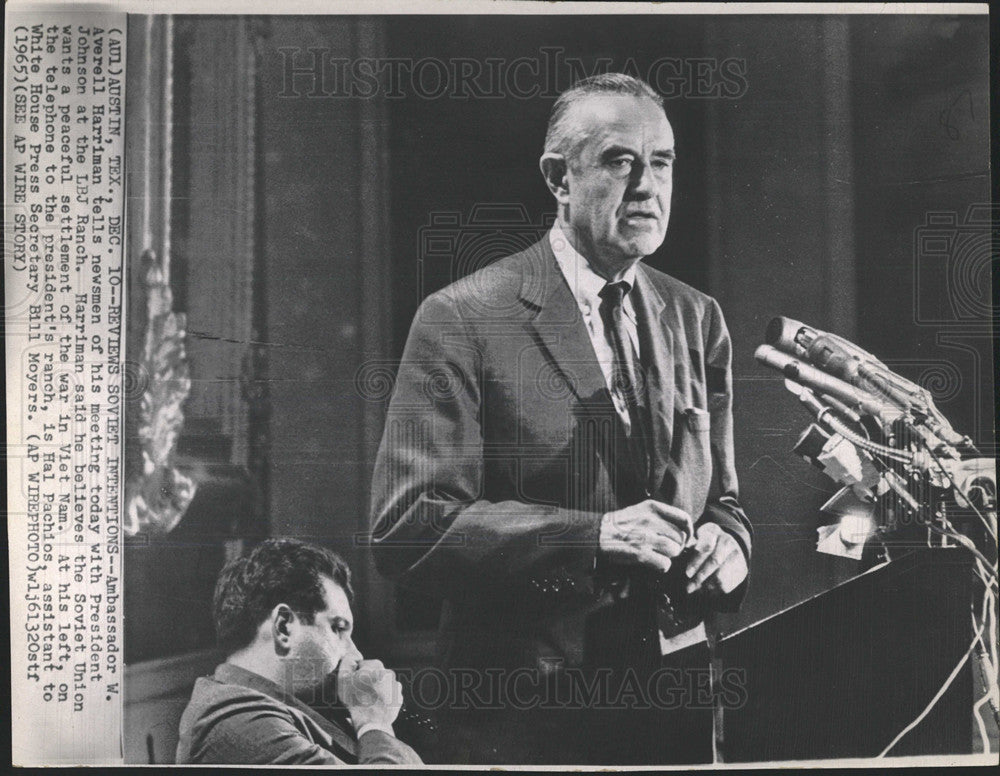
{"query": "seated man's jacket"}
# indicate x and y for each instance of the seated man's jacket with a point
(496, 464)
(237, 717)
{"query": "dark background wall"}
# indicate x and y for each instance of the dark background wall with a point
(807, 194)
(802, 196)
(453, 154)
(824, 178)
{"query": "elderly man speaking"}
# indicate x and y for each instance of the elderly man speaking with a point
(557, 464)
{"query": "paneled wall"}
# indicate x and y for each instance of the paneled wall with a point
(853, 132)
(923, 183)
(781, 231)
(324, 225)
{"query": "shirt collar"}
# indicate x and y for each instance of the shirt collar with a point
(584, 282)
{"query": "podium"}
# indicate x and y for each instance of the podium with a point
(841, 674)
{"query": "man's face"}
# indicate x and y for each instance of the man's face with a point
(317, 648)
(620, 180)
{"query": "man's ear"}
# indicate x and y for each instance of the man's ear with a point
(283, 622)
(554, 170)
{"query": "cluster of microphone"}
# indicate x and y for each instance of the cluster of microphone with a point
(878, 434)
(827, 370)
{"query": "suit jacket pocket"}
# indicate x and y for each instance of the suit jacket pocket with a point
(690, 463)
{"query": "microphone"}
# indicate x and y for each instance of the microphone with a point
(846, 362)
(842, 359)
(798, 339)
(790, 336)
(820, 381)
(826, 353)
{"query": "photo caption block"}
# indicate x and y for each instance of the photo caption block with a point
(64, 144)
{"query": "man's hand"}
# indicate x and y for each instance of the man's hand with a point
(370, 692)
(649, 534)
(718, 563)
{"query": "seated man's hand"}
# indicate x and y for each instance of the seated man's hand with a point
(649, 534)
(370, 692)
(718, 563)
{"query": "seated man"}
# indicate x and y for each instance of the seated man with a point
(294, 689)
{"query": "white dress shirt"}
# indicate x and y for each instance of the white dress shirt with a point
(585, 285)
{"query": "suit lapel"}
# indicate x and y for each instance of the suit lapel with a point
(656, 343)
(559, 326)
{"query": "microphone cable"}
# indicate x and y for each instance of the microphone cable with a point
(944, 688)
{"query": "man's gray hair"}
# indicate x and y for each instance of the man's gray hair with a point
(562, 137)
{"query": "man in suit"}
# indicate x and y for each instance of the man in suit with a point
(294, 690)
(557, 462)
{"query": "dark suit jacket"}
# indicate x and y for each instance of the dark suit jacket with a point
(495, 467)
(237, 717)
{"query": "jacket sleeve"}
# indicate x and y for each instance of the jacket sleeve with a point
(255, 732)
(723, 507)
(378, 748)
(431, 522)
(258, 732)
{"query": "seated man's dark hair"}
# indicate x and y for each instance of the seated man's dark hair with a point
(277, 571)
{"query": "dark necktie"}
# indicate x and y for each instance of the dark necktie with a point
(676, 612)
(626, 379)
